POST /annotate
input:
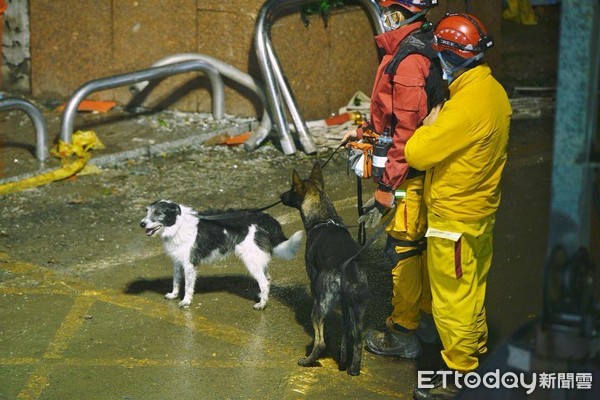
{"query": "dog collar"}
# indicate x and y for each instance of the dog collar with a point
(328, 222)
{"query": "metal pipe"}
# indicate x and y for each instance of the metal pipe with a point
(139, 76)
(286, 92)
(234, 74)
(263, 25)
(36, 116)
(275, 82)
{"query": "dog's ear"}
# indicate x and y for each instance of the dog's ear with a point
(296, 180)
(177, 208)
(169, 207)
(317, 175)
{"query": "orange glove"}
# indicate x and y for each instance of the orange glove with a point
(384, 197)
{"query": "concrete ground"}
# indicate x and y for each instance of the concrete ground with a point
(82, 313)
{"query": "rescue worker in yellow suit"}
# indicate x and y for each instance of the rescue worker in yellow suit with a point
(407, 86)
(463, 148)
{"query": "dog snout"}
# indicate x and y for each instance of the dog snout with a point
(143, 224)
(288, 199)
(284, 197)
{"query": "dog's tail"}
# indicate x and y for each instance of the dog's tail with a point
(355, 288)
(288, 249)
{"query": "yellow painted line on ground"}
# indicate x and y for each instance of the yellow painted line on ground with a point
(18, 291)
(70, 326)
(189, 320)
(300, 381)
(307, 380)
(19, 268)
(36, 384)
(21, 361)
(214, 362)
(161, 311)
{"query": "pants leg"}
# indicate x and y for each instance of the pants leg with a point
(410, 292)
(458, 272)
(410, 280)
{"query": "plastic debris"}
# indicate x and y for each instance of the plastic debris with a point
(238, 139)
(93, 106)
(74, 158)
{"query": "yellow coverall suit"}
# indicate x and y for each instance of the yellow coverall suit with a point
(464, 152)
(401, 102)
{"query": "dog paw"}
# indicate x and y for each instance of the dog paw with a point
(307, 362)
(353, 372)
(260, 305)
(171, 295)
(185, 303)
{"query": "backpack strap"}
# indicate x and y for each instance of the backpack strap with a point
(417, 42)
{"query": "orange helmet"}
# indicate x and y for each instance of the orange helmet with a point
(414, 6)
(462, 34)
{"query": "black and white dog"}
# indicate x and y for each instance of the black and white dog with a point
(190, 238)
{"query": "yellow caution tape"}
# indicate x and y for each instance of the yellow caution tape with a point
(73, 157)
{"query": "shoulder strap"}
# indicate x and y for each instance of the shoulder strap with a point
(417, 42)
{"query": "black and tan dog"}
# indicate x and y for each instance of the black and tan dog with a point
(334, 277)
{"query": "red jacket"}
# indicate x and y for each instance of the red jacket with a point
(399, 101)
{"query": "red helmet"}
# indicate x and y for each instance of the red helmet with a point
(462, 34)
(411, 5)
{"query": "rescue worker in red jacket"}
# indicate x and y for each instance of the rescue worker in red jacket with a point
(463, 148)
(407, 86)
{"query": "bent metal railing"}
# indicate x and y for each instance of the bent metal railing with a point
(36, 116)
(276, 85)
(218, 109)
(232, 73)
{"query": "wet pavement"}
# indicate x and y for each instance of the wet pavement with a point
(81, 286)
(82, 312)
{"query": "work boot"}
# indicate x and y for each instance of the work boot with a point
(426, 331)
(439, 391)
(393, 342)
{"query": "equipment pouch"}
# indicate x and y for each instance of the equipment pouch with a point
(360, 159)
(360, 154)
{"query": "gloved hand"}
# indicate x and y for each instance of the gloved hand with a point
(385, 197)
(376, 208)
(349, 135)
(354, 133)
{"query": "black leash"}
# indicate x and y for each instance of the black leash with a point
(236, 214)
(362, 234)
(362, 237)
(343, 144)
(243, 213)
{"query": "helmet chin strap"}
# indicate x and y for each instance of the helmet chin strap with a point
(396, 25)
(448, 70)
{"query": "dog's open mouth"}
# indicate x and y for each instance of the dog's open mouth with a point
(152, 231)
